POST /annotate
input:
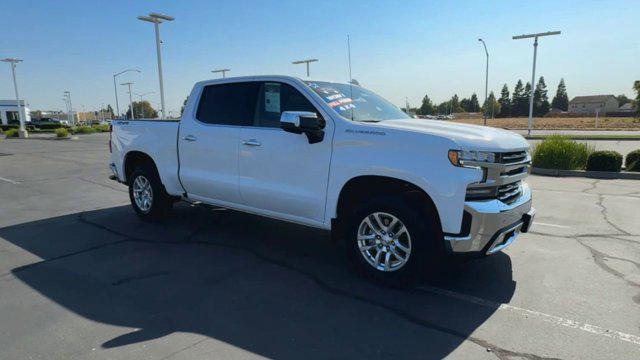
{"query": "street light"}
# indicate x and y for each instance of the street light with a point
(486, 81)
(307, 61)
(140, 106)
(115, 89)
(223, 71)
(533, 72)
(133, 117)
(157, 19)
(72, 120)
(22, 131)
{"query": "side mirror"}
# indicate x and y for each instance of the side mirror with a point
(299, 122)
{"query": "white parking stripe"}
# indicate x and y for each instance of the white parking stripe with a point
(552, 225)
(9, 180)
(528, 314)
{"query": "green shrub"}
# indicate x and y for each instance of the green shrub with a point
(632, 162)
(101, 127)
(604, 161)
(11, 133)
(560, 152)
(83, 130)
(62, 133)
(8, 127)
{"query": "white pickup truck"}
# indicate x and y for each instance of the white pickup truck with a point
(401, 193)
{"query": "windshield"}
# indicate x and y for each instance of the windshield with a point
(356, 103)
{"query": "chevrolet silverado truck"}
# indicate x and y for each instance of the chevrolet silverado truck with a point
(400, 193)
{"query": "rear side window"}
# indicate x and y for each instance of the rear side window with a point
(228, 104)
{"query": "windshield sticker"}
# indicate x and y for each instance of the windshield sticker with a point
(340, 102)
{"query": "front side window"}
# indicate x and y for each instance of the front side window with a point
(356, 103)
(13, 117)
(228, 104)
(274, 98)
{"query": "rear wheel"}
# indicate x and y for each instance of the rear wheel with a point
(392, 242)
(148, 197)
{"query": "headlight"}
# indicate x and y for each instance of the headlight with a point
(458, 157)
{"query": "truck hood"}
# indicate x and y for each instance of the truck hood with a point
(468, 137)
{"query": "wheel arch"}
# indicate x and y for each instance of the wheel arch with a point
(136, 158)
(361, 187)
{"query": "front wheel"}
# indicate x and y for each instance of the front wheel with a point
(148, 197)
(391, 242)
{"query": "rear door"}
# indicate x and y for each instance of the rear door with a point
(281, 173)
(208, 141)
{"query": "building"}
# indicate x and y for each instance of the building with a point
(601, 104)
(627, 108)
(9, 112)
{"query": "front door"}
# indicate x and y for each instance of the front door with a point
(280, 173)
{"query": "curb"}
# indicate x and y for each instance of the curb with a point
(587, 174)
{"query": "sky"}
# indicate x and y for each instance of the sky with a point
(399, 49)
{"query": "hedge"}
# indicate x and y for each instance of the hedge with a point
(82, 130)
(11, 133)
(632, 162)
(604, 161)
(560, 152)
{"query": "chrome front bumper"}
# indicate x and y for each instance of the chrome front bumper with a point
(493, 226)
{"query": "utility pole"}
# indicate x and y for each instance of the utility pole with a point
(70, 116)
(307, 61)
(133, 117)
(22, 116)
(486, 81)
(223, 71)
(157, 19)
(533, 72)
(115, 88)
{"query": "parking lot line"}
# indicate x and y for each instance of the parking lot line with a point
(552, 225)
(9, 180)
(528, 314)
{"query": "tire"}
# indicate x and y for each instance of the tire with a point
(150, 202)
(420, 244)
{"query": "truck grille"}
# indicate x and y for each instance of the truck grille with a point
(513, 157)
(509, 193)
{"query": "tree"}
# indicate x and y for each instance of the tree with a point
(505, 102)
(519, 101)
(622, 99)
(427, 107)
(561, 100)
(540, 98)
(455, 104)
(491, 106)
(107, 112)
(636, 88)
(474, 105)
(142, 109)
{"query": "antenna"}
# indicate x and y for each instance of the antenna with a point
(350, 78)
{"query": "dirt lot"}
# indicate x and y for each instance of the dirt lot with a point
(561, 123)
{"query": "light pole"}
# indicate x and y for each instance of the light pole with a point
(140, 106)
(307, 61)
(157, 19)
(115, 88)
(133, 117)
(22, 131)
(486, 80)
(223, 71)
(533, 72)
(70, 116)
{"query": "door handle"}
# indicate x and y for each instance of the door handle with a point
(190, 138)
(251, 142)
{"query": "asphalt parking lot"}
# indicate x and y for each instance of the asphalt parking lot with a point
(82, 278)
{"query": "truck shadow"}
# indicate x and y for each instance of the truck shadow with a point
(271, 288)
